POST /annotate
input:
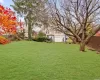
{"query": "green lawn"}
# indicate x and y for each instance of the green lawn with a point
(47, 61)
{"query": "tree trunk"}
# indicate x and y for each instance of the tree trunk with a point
(23, 33)
(82, 46)
(29, 32)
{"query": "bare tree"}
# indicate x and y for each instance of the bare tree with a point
(72, 17)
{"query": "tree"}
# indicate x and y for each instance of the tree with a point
(73, 17)
(32, 10)
(8, 21)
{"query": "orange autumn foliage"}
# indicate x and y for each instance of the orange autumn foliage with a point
(8, 21)
(3, 40)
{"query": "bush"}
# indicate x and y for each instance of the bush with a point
(69, 41)
(41, 34)
(3, 40)
(48, 40)
(17, 37)
(42, 39)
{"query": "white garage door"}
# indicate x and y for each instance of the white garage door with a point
(59, 39)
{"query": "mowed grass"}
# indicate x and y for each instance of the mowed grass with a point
(47, 61)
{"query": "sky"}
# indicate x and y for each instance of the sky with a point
(6, 3)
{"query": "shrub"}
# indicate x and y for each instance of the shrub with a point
(41, 34)
(42, 39)
(3, 40)
(69, 41)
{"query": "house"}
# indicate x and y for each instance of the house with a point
(55, 35)
(51, 33)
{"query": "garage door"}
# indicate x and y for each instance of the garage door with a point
(58, 39)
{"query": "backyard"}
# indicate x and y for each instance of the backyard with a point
(28, 60)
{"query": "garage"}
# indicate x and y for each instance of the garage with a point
(59, 38)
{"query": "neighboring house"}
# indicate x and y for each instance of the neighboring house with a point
(55, 35)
